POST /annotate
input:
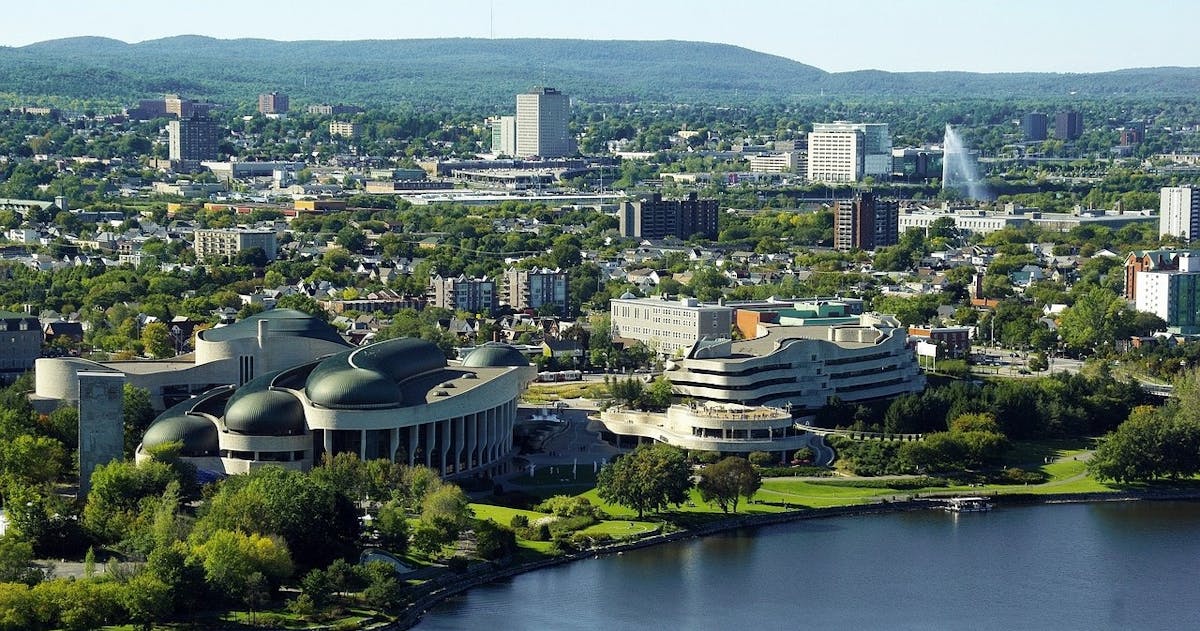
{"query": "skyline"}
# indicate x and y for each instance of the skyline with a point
(1068, 36)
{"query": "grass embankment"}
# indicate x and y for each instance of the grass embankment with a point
(551, 392)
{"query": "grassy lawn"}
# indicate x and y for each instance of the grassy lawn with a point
(549, 392)
(501, 514)
(621, 529)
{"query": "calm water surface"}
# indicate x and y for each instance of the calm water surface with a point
(1132, 565)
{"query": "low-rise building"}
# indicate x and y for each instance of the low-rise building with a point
(668, 326)
(728, 429)
(343, 129)
(20, 344)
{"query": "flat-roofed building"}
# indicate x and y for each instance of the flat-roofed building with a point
(667, 326)
(226, 243)
(476, 295)
(192, 139)
(652, 217)
(273, 103)
(532, 289)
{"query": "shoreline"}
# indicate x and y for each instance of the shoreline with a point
(488, 573)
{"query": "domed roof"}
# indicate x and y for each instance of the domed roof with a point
(198, 434)
(371, 375)
(628, 296)
(264, 413)
(346, 386)
(282, 323)
(494, 355)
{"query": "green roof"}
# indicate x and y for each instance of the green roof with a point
(371, 375)
(257, 410)
(283, 323)
(494, 355)
(198, 434)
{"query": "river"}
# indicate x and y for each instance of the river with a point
(1116, 565)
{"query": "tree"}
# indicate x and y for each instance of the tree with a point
(33, 460)
(146, 599)
(649, 478)
(139, 413)
(156, 339)
(1094, 319)
(231, 558)
(448, 510)
(16, 561)
(392, 524)
(728, 481)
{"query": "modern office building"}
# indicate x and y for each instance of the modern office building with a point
(865, 223)
(1033, 127)
(848, 152)
(725, 428)
(785, 162)
(1179, 212)
(1172, 294)
(504, 135)
(1151, 261)
(398, 400)
(226, 243)
(652, 217)
(476, 295)
(542, 119)
(667, 326)
(343, 129)
(1068, 125)
(800, 368)
(913, 164)
(192, 139)
(531, 289)
(272, 103)
(20, 344)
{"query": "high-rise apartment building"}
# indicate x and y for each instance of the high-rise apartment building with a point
(226, 243)
(848, 152)
(272, 103)
(865, 223)
(534, 288)
(1033, 127)
(477, 295)
(653, 217)
(192, 139)
(1173, 295)
(504, 135)
(541, 124)
(1179, 212)
(1068, 125)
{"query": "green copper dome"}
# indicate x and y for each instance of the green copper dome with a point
(494, 355)
(198, 434)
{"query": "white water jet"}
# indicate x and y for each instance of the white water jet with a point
(959, 170)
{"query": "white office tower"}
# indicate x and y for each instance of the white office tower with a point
(542, 117)
(1179, 212)
(848, 152)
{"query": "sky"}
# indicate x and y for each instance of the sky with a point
(838, 35)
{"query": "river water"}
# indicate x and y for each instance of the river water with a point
(1120, 565)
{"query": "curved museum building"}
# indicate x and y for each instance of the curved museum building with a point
(235, 354)
(397, 399)
(800, 368)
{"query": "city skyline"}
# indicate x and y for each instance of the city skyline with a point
(987, 36)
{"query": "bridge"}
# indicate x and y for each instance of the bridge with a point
(1157, 389)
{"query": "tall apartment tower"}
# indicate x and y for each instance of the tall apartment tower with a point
(541, 124)
(865, 223)
(477, 295)
(848, 152)
(192, 139)
(533, 288)
(504, 135)
(272, 103)
(1179, 212)
(1033, 126)
(1068, 125)
(653, 217)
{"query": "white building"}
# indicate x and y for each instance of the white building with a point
(847, 152)
(774, 163)
(667, 326)
(216, 243)
(541, 124)
(802, 367)
(504, 135)
(1179, 212)
(1172, 294)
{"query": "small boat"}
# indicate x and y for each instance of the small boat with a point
(967, 505)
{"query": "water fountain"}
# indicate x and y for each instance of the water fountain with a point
(959, 170)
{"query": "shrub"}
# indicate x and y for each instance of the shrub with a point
(519, 521)
(762, 459)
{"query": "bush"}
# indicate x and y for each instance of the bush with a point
(519, 521)
(784, 472)
(458, 563)
(567, 506)
(493, 541)
(763, 459)
(707, 457)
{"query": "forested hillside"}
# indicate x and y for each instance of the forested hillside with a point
(470, 72)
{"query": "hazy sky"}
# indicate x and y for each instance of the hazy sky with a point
(836, 35)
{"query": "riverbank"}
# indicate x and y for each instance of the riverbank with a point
(454, 584)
